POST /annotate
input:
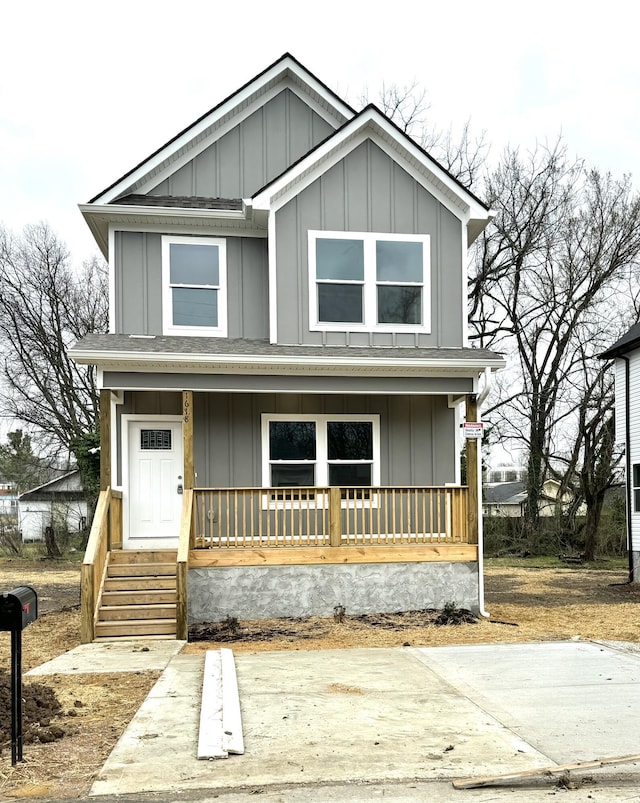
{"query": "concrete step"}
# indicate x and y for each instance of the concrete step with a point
(135, 596)
(123, 613)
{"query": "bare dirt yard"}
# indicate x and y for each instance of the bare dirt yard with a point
(76, 720)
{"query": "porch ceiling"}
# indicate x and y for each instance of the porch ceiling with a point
(213, 355)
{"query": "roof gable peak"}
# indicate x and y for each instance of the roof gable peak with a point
(286, 70)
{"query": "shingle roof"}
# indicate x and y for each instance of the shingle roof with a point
(504, 493)
(179, 201)
(175, 345)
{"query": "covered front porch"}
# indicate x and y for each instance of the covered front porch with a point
(272, 537)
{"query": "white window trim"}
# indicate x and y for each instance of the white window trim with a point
(322, 460)
(370, 283)
(168, 327)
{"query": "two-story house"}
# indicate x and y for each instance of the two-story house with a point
(286, 370)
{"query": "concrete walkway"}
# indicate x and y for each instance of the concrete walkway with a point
(358, 724)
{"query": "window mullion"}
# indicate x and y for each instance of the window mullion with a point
(322, 466)
(370, 303)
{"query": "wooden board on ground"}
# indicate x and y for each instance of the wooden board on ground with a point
(491, 780)
(210, 733)
(220, 720)
(232, 737)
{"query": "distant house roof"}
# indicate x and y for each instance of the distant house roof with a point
(504, 493)
(68, 487)
(628, 342)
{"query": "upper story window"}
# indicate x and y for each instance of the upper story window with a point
(368, 281)
(194, 286)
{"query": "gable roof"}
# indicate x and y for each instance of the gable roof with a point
(371, 123)
(326, 102)
(628, 342)
(69, 483)
(504, 493)
(125, 200)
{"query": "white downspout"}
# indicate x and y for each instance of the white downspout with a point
(488, 382)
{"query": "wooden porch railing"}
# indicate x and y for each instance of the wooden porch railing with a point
(329, 516)
(106, 530)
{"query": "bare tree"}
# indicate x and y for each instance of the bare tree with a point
(547, 276)
(462, 154)
(561, 256)
(44, 307)
(591, 466)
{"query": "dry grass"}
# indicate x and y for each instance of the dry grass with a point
(526, 604)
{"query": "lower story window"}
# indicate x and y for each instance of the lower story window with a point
(318, 450)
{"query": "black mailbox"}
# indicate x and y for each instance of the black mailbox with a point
(18, 608)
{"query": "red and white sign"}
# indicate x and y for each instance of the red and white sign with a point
(473, 429)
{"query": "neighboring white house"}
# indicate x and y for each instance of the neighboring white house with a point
(57, 503)
(8, 500)
(509, 499)
(626, 356)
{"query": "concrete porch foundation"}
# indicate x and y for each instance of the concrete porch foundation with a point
(265, 592)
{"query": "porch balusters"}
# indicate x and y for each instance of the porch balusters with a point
(329, 516)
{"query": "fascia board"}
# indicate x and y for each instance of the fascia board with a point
(124, 211)
(337, 146)
(307, 364)
(334, 154)
(250, 95)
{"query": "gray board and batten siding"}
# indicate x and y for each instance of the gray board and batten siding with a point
(417, 446)
(251, 154)
(138, 285)
(272, 383)
(368, 192)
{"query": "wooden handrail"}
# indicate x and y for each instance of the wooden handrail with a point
(182, 567)
(93, 567)
(263, 517)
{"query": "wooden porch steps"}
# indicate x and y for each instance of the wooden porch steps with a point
(138, 598)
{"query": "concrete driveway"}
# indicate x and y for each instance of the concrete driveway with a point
(409, 720)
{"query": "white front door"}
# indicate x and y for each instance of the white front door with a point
(153, 492)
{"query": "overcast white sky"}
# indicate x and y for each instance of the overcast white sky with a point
(87, 90)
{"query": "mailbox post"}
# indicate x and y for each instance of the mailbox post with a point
(18, 608)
